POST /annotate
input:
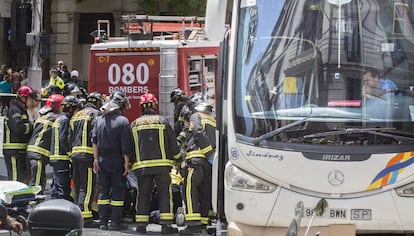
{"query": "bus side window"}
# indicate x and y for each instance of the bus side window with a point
(290, 93)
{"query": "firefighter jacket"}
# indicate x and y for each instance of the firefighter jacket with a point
(201, 141)
(39, 143)
(154, 144)
(59, 142)
(17, 127)
(81, 125)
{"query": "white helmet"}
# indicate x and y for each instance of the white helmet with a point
(74, 73)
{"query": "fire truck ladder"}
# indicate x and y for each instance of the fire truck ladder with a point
(139, 27)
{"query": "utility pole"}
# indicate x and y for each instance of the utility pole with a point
(35, 71)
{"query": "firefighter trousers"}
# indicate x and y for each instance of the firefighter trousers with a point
(145, 192)
(112, 190)
(16, 164)
(85, 181)
(61, 179)
(197, 194)
(38, 172)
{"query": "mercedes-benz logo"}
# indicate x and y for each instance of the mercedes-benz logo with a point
(336, 177)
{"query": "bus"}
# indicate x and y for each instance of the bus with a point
(316, 101)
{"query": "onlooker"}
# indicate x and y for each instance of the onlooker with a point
(3, 71)
(6, 87)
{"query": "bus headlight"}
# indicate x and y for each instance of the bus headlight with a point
(406, 190)
(240, 180)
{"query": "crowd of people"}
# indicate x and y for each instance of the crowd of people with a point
(92, 148)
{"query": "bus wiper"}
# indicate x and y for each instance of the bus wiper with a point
(277, 131)
(374, 131)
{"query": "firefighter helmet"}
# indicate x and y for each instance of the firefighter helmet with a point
(117, 100)
(24, 91)
(148, 100)
(203, 107)
(53, 103)
(70, 101)
(95, 98)
(176, 95)
(197, 98)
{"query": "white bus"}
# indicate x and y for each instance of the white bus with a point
(318, 103)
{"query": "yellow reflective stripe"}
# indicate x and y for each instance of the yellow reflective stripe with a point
(166, 216)
(188, 193)
(204, 220)
(207, 149)
(193, 217)
(87, 214)
(27, 128)
(117, 203)
(152, 163)
(195, 153)
(149, 126)
(14, 145)
(103, 202)
(59, 158)
(88, 194)
(141, 218)
(37, 149)
(82, 149)
(38, 172)
(14, 168)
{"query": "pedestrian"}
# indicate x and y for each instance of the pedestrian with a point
(3, 71)
(17, 132)
(197, 184)
(112, 149)
(84, 179)
(38, 149)
(156, 150)
(60, 149)
(6, 88)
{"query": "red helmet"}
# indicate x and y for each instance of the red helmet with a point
(25, 91)
(54, 101)
(148, 100)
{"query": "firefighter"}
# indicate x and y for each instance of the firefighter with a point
(184, 117)
(112, 147)
(197, 185)
(17, 131)
(156, 150)
(60, 149)
(180, 100)
(38, 149)
(84, 179)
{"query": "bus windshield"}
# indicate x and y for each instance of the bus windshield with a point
(335, 72)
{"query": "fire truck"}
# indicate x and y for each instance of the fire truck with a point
(156, 55)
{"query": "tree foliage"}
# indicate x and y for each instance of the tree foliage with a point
(180, 7)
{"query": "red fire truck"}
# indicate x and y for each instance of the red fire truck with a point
(158, 54)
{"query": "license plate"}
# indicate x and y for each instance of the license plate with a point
(334, 213)
(361, 214)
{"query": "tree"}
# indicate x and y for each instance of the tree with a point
(181, 7)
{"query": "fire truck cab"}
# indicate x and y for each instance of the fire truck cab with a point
(157, 54)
